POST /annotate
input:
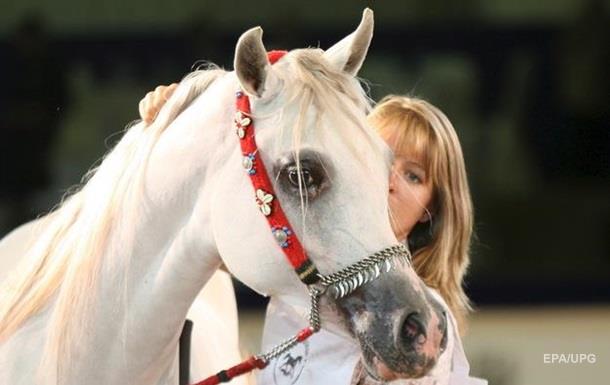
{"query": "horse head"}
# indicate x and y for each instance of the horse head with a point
(330, 172)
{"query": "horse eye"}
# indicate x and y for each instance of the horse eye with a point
(310, 179)
(313, 179)
(307, 179)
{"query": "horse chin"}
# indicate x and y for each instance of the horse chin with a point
(409, 366)
(380, 372)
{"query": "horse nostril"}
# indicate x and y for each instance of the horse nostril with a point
(443, 328)
(442, 318)
(413, 329)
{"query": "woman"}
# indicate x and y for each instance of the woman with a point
(429, 198)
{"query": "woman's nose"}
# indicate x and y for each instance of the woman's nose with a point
(392, 183)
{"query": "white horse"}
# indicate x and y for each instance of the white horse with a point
(102, 294)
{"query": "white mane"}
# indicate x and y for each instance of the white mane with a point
(64, 262)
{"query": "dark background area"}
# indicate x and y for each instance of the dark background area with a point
(525, 84)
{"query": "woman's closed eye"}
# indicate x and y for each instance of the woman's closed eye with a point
(413, 177)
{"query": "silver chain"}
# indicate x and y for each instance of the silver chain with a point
(314, 311)
(352, 277)
(279, 349)
(341, 284)
(314, 324)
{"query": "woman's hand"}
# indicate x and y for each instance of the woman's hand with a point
(154, 100)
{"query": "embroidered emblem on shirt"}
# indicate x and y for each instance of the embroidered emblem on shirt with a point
(289, 366)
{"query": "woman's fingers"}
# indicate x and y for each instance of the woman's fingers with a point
(157, 101)
(169, 90)
(152, 103)
(146, 108)
(143, 109)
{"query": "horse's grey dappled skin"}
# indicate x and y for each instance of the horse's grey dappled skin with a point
(400, 327)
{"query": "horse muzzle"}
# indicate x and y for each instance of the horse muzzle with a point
(401, 328)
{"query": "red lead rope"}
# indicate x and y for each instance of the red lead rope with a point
(227, 375)
(280, 227)
(250, 364)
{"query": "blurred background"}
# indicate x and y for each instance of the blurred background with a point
(525, 83)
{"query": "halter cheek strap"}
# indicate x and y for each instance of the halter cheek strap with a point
(266, 198)
(281, 230)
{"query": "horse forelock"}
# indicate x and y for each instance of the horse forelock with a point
(333, 91)
(319, 91)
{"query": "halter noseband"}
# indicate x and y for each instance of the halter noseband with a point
(338, 284)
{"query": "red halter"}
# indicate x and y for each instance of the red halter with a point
(265, 194)
(280, 227)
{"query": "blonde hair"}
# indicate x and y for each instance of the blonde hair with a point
(421, 129)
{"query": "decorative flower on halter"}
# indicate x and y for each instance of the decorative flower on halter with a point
(241, 122)
(281, 235)
(248, 163)
(264, 199)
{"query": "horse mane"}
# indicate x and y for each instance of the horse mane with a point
(66, 258)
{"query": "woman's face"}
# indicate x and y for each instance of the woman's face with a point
(411, 194)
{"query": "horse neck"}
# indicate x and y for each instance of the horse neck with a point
(155, 263)
(173, 249)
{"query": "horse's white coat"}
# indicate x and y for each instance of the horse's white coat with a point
(214, 312)
(174, 254)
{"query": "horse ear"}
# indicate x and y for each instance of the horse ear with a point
(251, 64)
(349, 53)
